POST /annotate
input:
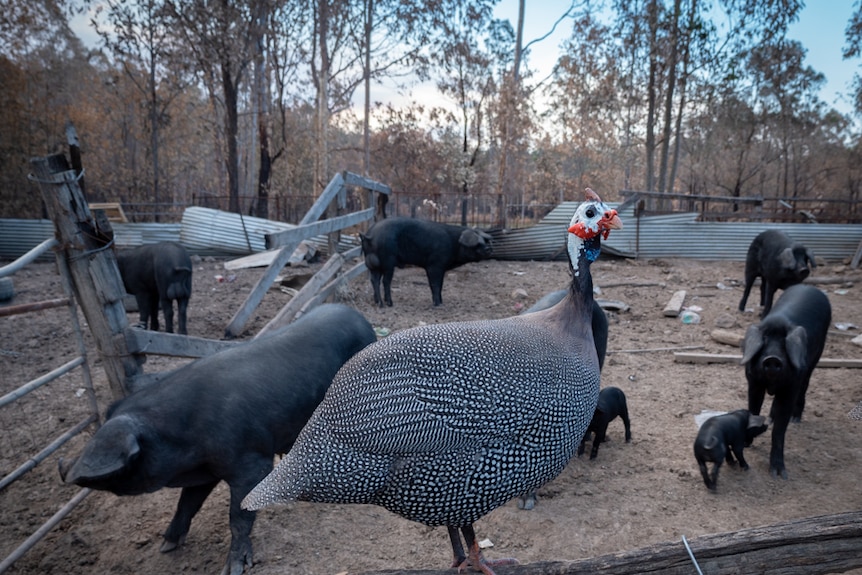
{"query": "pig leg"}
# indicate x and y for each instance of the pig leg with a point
(601, 432)
(625, 417)
(375, 276)
(767, 294)
(799, 404)
(151, 309)
(756, 395)
(709, 479)
(435, 280)
(749, 281)
(168, 310)
(583, 446)
(737, 450)
(182, 308)
(387, 285)
(780, 419)
(242, 520)
(191, 500)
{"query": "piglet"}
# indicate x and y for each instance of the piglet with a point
(222, 417)
(612, 404)
(723, 436)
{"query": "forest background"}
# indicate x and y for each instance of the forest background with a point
(248, 105)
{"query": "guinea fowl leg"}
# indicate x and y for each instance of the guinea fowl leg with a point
(476, 560)
(458, 556)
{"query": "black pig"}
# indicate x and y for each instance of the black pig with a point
(157, 274)
(612, 404)
(433, 246)
(779, 262)
(723, 436)
(222, 417)
(779, 355)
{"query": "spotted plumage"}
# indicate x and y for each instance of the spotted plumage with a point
(443, 423)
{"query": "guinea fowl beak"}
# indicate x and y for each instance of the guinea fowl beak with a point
(610, 221)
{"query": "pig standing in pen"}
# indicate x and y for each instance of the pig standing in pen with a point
(157, 274)
(779, 262)
(435, 247)
(779, 355)
(222, 417)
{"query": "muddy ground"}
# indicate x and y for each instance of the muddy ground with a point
(631, 496)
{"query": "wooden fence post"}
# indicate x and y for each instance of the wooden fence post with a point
(85, 244)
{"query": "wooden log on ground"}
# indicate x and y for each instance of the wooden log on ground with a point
(810, 546)
(728, 337)
(675, 304)
(683, 357)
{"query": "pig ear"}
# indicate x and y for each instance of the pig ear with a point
(796, 343)
(786, 259)
(469, 238)
(752, 343)
(110, 450)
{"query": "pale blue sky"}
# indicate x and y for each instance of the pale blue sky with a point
(820, 29)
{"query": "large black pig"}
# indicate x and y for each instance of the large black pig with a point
(723, 436)
(157, 274)
(779, 262)
(779, 355)
(436, 247)
(222, 417)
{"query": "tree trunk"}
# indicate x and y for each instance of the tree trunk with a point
(669, 94)
(321, 159)
(649, 184)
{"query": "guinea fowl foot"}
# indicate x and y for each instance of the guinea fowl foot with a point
(476, 561)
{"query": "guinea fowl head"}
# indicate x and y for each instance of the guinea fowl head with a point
(593, 220)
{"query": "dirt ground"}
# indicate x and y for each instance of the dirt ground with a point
(631, 496)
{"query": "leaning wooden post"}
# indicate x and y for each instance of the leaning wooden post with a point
(85, 244)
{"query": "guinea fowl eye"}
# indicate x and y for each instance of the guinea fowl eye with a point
(591, 212)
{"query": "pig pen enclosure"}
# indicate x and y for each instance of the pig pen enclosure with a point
(645, 493)
(632, 509)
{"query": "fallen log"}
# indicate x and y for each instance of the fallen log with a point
(810, 546)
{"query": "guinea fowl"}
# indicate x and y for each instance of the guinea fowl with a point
(443, 423)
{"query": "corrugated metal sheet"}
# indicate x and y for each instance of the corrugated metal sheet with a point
(212, 232)
(674, 236)
(17, 237)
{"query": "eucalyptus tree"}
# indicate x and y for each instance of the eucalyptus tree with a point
(465, 77)
(219, 38)
(138, 37)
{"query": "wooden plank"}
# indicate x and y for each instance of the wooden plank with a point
(318, 208)
(809, 546)
(675, 304)
(351, 179)
(113, 211)
(287, 313)
(683, 357)
(261, 259)
(728, 337)
(306, 231)
(159, 343)
(854, 263)
(329, 288)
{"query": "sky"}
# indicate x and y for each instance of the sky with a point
(820, 29)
